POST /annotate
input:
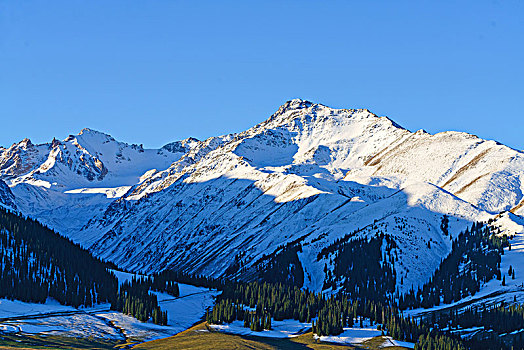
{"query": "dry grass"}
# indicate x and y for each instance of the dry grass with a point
(203, 337)
(472, 163)
(464, 188)
(520, 205)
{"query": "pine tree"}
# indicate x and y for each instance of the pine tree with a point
(246, 320)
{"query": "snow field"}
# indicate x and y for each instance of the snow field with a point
(293, 328)
(100, 322)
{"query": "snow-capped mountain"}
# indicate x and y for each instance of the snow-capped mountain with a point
(309, 175)
(64, 183)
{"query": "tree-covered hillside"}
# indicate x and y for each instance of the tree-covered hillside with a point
(37, 263)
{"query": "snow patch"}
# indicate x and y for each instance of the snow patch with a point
(280, 329)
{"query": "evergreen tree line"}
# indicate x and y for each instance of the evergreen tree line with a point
(256, 302)
(279, 300)
(339, 312)
(503, 325)
(225, 311)
(134, 298)
(165, 281)
(501, 318)
(284, 266)
(362, 267)
(281, 266)
(192, 279)
(474, 259)
(37, 263)
(441, 342)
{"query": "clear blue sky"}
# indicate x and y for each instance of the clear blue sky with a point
(156, 71)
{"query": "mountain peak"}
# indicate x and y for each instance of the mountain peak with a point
(181, 146)
(90, 134)
(25, 143)
(295, 108)
(295, 104)
(89, 131)
(298, 103)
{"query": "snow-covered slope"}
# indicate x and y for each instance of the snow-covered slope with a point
(308, 174)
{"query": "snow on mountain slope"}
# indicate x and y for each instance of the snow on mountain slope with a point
(485, 173)
(156, 181)
(64, 183)
(336, 140)
(308, 174)
(412, 216)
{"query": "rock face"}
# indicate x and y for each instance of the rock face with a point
(309, 175)
(7, 199)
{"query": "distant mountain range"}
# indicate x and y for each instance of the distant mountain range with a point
(307, 176)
